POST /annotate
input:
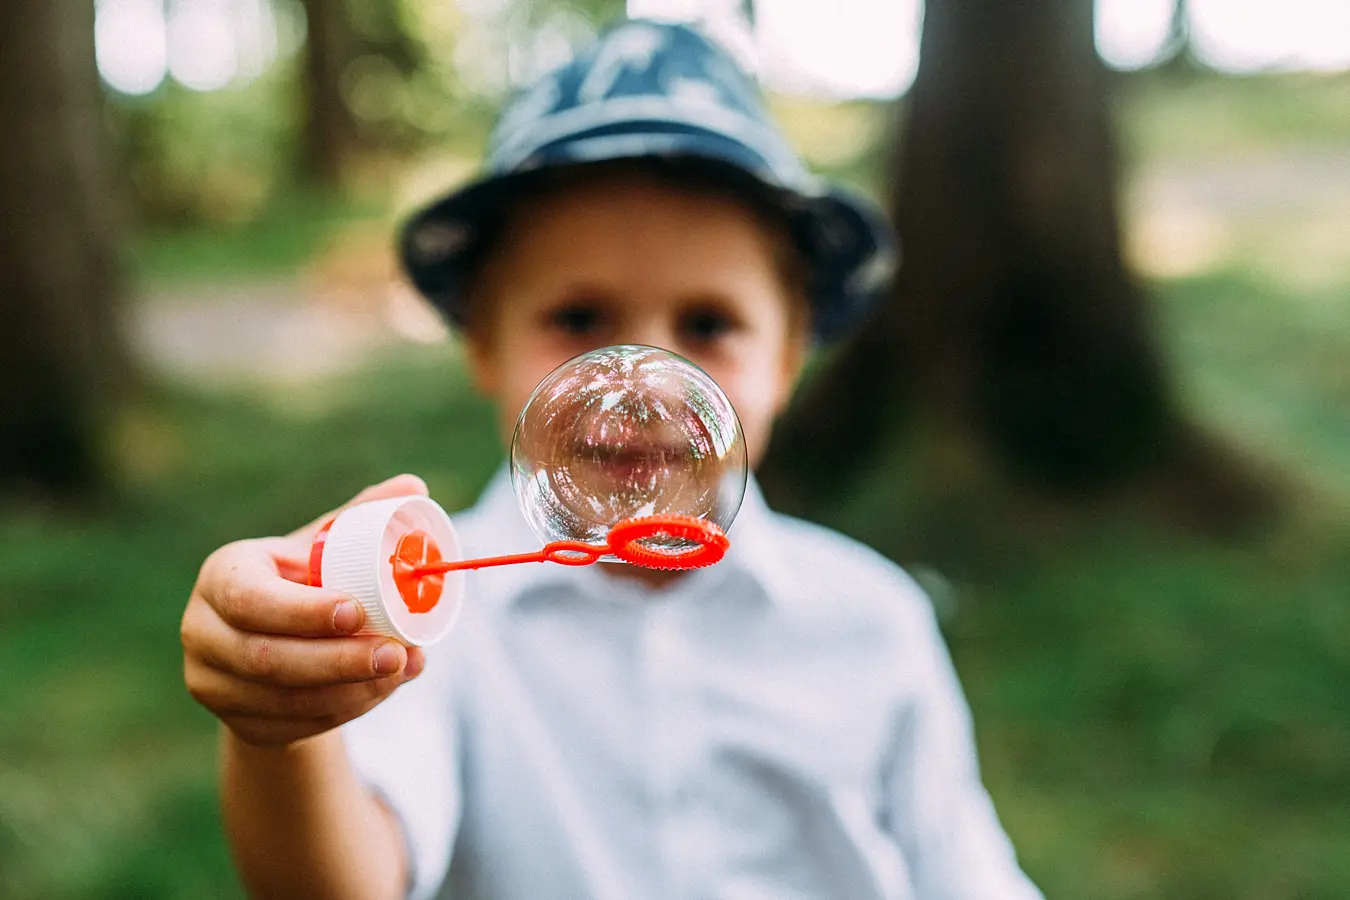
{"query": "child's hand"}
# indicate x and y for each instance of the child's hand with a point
(275, 659)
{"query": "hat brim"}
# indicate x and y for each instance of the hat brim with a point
(845, 242)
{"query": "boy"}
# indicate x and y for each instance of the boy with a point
(783, 724)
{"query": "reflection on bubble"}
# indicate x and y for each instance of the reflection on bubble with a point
(623, 432)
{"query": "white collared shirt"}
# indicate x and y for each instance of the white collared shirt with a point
(784, 724)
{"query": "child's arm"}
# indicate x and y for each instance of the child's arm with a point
(302, 825)
(279, 664)
(939, 810)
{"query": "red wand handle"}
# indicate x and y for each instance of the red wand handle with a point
(704, 542)
(568, 553)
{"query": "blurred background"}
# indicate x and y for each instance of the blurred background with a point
(1104, 418)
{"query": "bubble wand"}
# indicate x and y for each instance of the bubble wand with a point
(642, 426)
(419, 566)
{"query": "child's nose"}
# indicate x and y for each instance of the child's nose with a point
(651, 333)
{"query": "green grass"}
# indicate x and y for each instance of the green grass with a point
(1165, 718)
(106, 766)
(1207, 116)
(279, 241)
(1161, 714)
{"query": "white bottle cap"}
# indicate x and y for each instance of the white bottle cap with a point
(357, 559)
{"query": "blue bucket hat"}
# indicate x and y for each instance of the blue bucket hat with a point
(655, 90)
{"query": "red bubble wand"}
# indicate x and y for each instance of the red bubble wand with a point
(420, 569)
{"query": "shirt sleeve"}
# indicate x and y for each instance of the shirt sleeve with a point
(938, 809)
(406, 750)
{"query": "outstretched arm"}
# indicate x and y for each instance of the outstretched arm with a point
(938, 809)
(282, 665)
(302, 825)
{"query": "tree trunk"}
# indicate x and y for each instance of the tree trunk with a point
(1013, 321)
(61, 353)
(331, 132)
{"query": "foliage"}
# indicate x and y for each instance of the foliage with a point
(219, 157)
(426, 76)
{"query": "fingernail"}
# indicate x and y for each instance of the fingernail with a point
(417, 661)
(347, 617)
(387, 660)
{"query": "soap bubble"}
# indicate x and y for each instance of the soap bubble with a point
(623, 432)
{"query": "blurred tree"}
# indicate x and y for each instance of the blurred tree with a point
(368, 57)
(1014, 326)
(60, 350)
(331, 133)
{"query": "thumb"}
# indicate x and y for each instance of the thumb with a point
(399, 486)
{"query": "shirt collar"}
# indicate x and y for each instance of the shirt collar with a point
(496, 525)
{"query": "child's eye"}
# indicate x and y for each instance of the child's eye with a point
(706, 325)
(575, 320)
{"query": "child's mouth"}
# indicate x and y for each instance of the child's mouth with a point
(631, 462)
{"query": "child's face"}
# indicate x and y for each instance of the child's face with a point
(627, 260)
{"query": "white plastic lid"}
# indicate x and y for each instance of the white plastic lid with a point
(357, 559)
